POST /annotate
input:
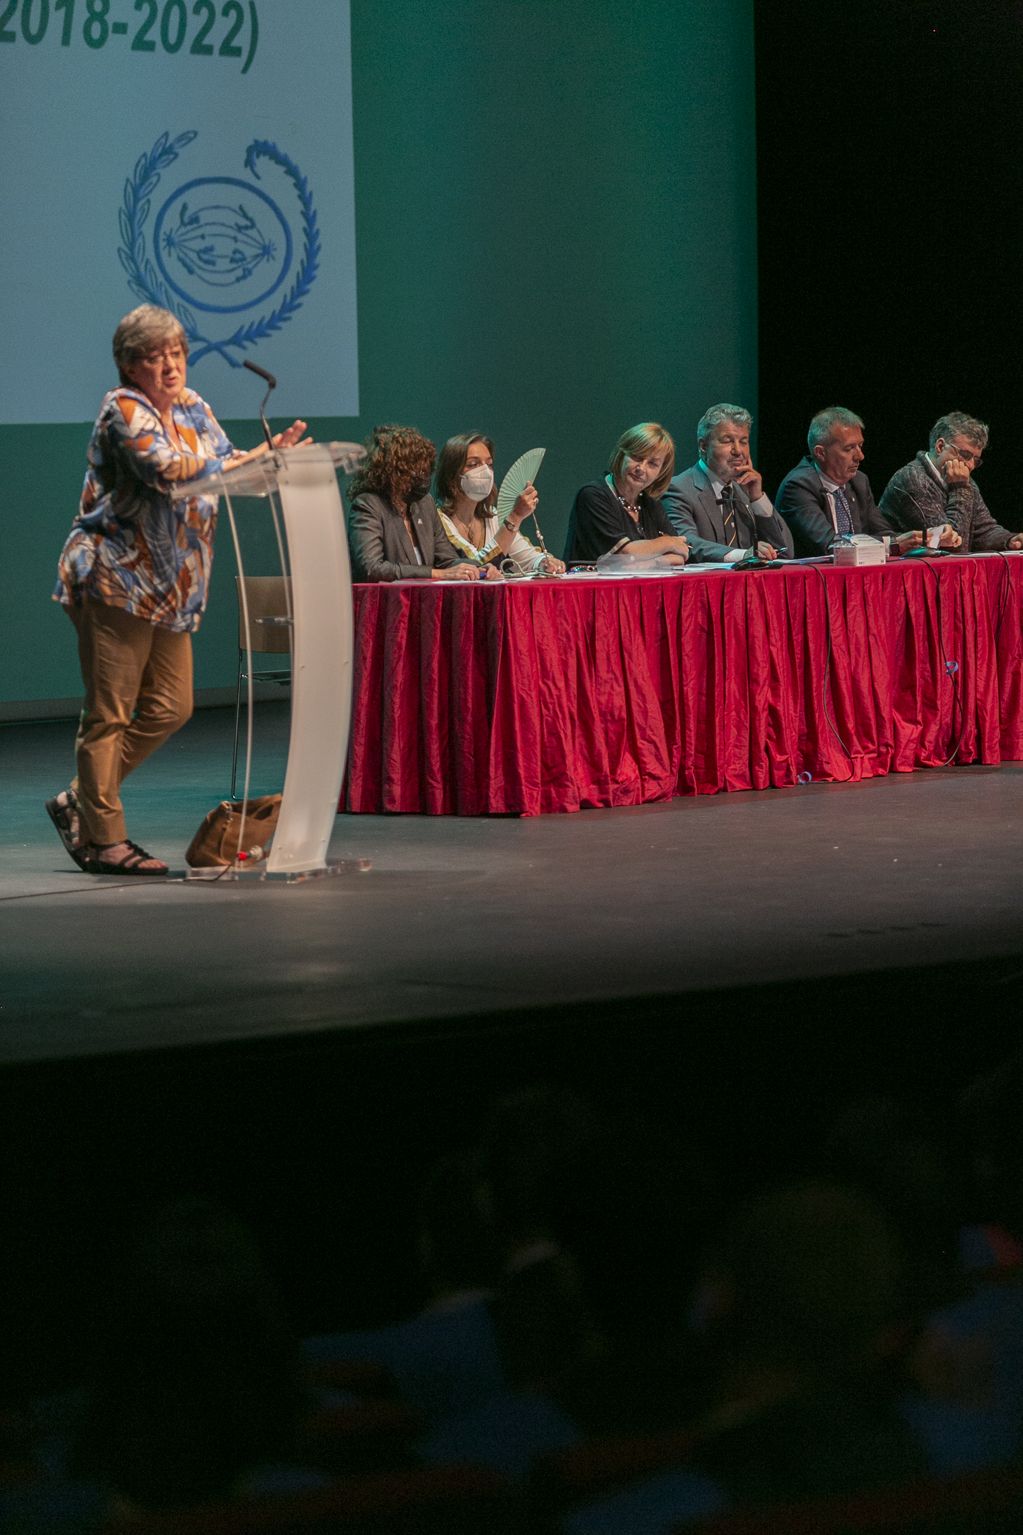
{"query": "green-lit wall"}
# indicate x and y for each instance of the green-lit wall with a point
(555, 209)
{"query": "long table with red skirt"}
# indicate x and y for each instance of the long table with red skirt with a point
(528, 697)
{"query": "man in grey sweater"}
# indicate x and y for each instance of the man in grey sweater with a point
(937, 487)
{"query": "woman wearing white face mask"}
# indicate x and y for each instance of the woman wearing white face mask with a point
(466, 494)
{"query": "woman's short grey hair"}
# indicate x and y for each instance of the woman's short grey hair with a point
(958, 424)
(716, 415)
(146, 329)
(824, 423)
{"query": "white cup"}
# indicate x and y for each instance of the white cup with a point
(933, 538)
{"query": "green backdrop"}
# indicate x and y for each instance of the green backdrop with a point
(555, 209)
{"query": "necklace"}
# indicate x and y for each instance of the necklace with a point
(631, 507)
(467, 528)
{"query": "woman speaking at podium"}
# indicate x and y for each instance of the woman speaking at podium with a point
(134, 576)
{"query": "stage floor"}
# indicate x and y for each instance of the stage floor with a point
(469, 920)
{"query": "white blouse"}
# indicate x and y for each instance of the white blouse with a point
(526, 557)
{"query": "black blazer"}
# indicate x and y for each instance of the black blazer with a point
(803, 502)
(381, 547)
(599, 524)
(693, 511)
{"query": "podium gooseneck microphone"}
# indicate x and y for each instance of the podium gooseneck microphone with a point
(271, 384)
(275, 457)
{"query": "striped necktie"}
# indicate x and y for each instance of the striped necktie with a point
(843, 516)
(728, 515)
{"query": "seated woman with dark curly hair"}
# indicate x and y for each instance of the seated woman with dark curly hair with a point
(622, 513)
(394, 532)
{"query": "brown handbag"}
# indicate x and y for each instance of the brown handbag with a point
(215, 844)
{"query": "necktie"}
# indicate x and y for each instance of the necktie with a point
(728, 515)
(843, 516)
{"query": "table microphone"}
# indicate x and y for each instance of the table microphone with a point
(751, 559)
(271, 383)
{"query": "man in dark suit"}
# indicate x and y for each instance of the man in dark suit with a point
(827, 496)
(719, 504)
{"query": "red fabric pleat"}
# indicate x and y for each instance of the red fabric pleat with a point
(521, 699)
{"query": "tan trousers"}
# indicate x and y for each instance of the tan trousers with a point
(138, 691)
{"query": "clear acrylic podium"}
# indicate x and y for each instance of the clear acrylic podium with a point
(301, 485)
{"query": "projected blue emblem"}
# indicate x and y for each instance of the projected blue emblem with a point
(220, 246)
(222, 255)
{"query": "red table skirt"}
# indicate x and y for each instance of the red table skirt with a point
(523, 698)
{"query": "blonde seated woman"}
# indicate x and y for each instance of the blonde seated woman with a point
(466, 497)
(622, 513)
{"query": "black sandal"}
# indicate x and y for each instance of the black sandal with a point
(65, 819)
(130, 864)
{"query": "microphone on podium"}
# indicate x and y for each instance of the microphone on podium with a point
(271, 383)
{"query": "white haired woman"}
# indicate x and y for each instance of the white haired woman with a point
(134, 578)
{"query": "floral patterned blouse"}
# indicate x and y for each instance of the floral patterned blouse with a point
(130, 545)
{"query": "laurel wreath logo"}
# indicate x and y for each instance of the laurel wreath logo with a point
(144, 279)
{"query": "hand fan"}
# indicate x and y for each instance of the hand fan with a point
(522, 473)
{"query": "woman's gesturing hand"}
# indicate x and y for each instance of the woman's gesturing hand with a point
(293, 436)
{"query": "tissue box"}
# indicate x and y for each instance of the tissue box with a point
(860, 550)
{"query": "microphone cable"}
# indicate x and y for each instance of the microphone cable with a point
(827, 671)
(951, 669)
